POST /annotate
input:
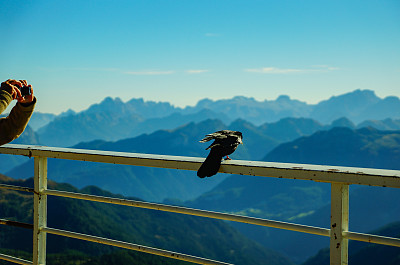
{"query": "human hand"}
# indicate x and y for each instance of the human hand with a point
(27, 98)
(13, 87)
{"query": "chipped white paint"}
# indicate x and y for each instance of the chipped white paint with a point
(39, 211)
(339, 223)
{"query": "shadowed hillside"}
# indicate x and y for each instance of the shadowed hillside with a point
(187, 234)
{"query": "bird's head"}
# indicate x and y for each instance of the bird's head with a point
(239, 136)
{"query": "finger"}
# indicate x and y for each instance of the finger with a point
(18, 93)
(24, 83)
(26, 99)
(29, 98)
(14, 82)
(14, 94)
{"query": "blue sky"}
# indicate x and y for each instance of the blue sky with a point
(76, 53)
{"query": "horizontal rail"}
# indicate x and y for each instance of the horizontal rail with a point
(17, 188)
(346, 175)
(15, 260)
(383, 240)
(195, 212)
(16, 224)
(131, 246)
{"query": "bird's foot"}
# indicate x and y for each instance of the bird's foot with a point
(228, 158)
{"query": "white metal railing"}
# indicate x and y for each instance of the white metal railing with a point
(339, 177)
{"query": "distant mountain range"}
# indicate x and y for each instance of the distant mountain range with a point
(366, 147)
(357, 106)
(191, 235)
(113, 119)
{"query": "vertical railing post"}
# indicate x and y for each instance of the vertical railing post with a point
(339, 223)
(40, 211)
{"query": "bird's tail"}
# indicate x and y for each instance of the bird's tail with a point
(211, 165)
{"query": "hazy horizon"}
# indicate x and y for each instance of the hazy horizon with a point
(193, 105)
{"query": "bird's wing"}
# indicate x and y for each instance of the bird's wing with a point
(217, 135)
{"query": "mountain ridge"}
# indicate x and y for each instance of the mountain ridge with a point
(137, 116)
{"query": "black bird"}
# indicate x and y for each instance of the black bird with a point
(225, 143)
